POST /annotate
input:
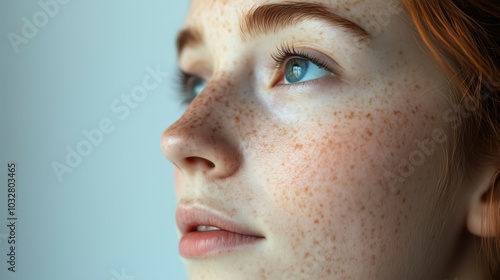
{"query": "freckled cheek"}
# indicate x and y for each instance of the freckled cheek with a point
(344, 158)
(314, 173)
(322, 167)
(330, 195)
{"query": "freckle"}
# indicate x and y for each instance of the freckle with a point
(316, 221)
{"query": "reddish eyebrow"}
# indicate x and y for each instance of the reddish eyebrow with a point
(188, 36)
(270, 18)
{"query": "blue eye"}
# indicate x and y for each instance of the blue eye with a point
(301, 70)
(190, 86)
(196, 87)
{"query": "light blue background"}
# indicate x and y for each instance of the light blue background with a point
(114, 213)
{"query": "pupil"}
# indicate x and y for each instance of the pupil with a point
(295, 70)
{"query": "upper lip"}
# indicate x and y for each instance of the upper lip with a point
(188, 218)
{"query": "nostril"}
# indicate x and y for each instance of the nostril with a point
(197, 150)
(198, 160)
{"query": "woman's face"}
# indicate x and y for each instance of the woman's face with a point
(322, 134)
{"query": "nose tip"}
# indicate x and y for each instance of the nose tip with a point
(178, 152)
(200, 150)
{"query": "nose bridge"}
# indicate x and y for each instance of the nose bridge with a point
(201, 141)
(208, 112)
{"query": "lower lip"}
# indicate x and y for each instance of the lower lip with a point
(202, 244)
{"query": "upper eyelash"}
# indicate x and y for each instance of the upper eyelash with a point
(286, 51)
(182, 82)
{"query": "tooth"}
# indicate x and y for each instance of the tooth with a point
(206, 228)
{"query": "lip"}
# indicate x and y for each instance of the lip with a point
(195, 244)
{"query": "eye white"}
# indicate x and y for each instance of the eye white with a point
(197, 86)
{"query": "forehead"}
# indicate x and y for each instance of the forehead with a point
(210, 21)
(221, 13)
(212, 17)
(218, 8)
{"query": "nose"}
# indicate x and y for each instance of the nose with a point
(201, 141)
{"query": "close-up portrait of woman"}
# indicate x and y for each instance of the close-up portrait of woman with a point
(338, 140)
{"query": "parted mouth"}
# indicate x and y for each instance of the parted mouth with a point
(201, 219)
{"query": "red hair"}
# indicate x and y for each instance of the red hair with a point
(464, 37)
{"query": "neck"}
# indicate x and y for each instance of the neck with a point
(468, 262)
